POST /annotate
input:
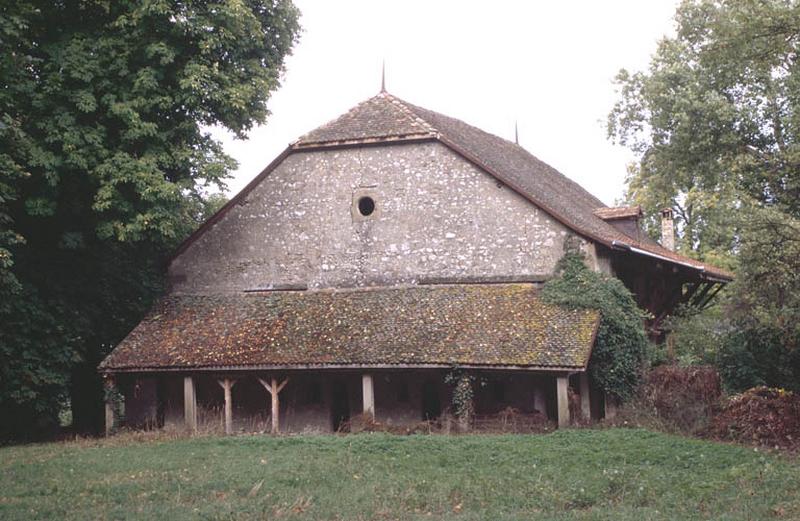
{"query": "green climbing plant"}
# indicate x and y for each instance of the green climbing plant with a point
(621, 345)
(463, 393)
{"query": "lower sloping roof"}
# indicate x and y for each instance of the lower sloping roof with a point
(494, 325)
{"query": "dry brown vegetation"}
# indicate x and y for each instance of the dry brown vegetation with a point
(760, 416)
(690, 401)
(507, 421)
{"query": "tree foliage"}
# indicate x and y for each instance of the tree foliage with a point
(715, 122)
(715, 119)
(106, 163)
(763, 309)
(695, 336)
(620, 348)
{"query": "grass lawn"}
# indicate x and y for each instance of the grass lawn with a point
(619, 474)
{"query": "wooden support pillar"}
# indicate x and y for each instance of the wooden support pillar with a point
(368, 395)
(274, 389)
(110, 391)
(539, 402)
(586, 403)
(189, 404)
(562, 400)
(227, 385)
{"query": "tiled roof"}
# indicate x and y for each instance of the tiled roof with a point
(618, 212)
(470, 325)
(386, 117)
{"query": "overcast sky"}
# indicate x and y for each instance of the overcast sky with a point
(548, 65)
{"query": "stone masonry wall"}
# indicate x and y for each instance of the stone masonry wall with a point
(436, 216)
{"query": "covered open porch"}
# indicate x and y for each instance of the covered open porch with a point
(326, 401)
(308, 361)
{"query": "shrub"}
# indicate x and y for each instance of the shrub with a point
(696, 335)
(621, 345)
(762, 415)
(758, 357)
(684, 398)
(738, 365)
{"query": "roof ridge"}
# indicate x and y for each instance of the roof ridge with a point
(402, 123)
(522, 149)
(416, 119)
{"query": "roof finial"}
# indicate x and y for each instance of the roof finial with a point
(383, 76)
(516, 132)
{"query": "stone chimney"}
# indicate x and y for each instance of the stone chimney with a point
(667, 229)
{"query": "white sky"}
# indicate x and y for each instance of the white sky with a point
(546, 64)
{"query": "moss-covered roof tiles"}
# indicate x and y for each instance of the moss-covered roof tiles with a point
(476, 325)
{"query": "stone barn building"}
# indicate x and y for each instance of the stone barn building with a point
(372, 257)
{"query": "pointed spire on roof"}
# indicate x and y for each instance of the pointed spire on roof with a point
(516, 132)
(383, 76)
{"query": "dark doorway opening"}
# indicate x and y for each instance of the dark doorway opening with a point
(431, 405)
(340, 405)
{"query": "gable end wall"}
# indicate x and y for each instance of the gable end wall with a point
(437, 216)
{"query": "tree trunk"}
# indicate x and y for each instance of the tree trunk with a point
(86, 399)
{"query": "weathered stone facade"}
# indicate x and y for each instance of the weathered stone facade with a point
(436, 216)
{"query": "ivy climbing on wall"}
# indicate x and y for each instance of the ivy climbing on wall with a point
(463, 394)
(619, 353)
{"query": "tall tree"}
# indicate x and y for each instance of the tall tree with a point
(716, 118)
(105, 163)
(715, 122)
(762, 313)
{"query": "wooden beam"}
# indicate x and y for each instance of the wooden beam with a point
(274, 389)
(189, 403)
(586, 404)
(227, 385)
(332, 367)
(711, 296)
(368, 394)
(282, 385)
(562, 400)
(698, 297)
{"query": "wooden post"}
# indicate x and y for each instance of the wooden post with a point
(538, 400)
(586, 404)
(109, 403)
(227, 384)
(189, 404)
(274, 389)
(368, 395)
(562, 400)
